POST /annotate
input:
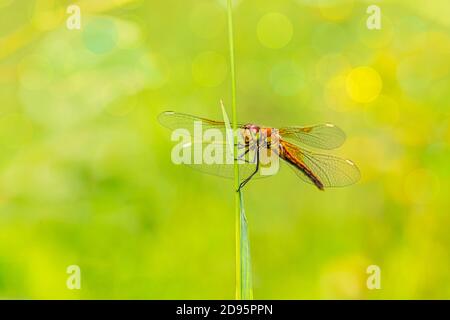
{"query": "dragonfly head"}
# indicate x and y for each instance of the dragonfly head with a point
(251, 132)
(252, 127)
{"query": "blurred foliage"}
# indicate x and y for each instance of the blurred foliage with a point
(86, 176)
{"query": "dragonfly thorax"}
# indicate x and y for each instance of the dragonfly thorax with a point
(264, 137)
(250, 132)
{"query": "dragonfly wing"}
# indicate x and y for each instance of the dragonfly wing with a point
(215, 161)
(322, 136)
(175, 120)
(331, 171)
(227, 170)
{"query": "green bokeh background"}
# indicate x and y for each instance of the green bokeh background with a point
(85, 170)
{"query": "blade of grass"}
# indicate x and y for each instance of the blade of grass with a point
(244, 289)
(229, 130)
(243, 261)
(246, 265)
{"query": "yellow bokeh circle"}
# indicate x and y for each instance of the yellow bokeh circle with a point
(363, 84)
(274, 30)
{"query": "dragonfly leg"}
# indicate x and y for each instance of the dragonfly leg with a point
(248, 148)
(244, 182)
(245, 160)
(243, 155)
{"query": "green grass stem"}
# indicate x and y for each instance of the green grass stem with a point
(243, 262)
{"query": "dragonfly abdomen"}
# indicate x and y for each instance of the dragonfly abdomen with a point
(287, 156)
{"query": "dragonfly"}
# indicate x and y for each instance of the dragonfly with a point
(289, 144)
